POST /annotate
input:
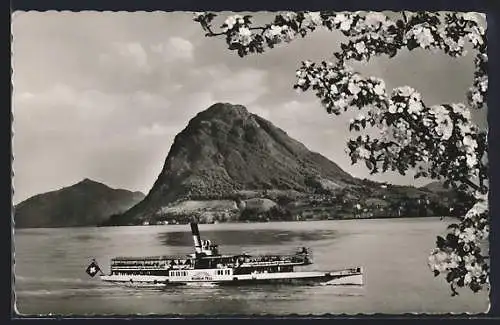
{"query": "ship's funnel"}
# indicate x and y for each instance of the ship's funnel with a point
(196, 237)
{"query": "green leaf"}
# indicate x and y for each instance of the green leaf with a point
(369, 164)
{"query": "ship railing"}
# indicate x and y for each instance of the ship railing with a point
(273, 258)
(353, 270)
(149, 258)
(253, 264)
(139, 267)
(163, 262)
(147, 267)
(137, 263)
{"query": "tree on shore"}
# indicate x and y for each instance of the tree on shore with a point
(439, 142)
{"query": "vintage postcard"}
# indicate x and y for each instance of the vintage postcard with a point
(250, 163)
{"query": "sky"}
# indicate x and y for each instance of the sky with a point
(101, 95)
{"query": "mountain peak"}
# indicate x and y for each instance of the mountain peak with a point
(227, 108)
(89, 182)
(224, 111)
(225, 150)
(86, 181)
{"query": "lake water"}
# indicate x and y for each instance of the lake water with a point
(50, 267)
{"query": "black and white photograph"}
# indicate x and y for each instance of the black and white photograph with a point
(250, 163)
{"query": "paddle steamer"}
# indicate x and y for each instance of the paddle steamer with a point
(207, 266)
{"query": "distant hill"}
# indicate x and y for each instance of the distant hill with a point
(458, 201)
(436, 187)
(227, 153)
(83, 204)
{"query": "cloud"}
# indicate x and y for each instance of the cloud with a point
(243, 86)
(176, 48)
(126, 56)
(25, 96)
(135, 51)
(156, 130)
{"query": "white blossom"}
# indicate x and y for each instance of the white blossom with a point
(232, 20)
(469, 143)
(360, 47)
(457, 46)
(483, 84)
(363, 153)
(374, 18)
(379, 88)
(345, 21)
(274, 31)
(288, 33)
(477, 98)
(467, 235)
(392, 108)
(314, 17)
(289, 16)
(244, 36)
(470, 16)
(461, 109)
(405, 91)
(414, 107)
(354, 88)
(471, 160)
(422, 35)
(340, 103)
(475, 36)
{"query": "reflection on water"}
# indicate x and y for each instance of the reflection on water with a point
(238, 236)
(50, 270)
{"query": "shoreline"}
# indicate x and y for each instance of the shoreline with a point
(245, 222)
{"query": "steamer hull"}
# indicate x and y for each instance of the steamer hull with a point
(343, 277)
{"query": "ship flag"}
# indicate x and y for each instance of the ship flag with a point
(93, 268)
